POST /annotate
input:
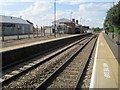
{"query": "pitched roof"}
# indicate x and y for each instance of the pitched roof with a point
(63, 20)
(10, 19)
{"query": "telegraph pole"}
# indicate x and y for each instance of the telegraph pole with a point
(81, 21)
(71, 15)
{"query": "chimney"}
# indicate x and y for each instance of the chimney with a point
(73, 20)
(20, 16)
(76, 21)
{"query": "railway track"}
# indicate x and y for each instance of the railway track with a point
(43, 53)
(7, 80)
(69, 74)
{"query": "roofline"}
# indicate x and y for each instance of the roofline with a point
(13, 17)
(13, 23)
(63, 22)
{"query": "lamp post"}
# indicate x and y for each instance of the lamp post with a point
(113, 26)
(55, 18)
(50, 28)
(3, 33)
(37, 29)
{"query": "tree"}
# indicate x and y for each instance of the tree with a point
(113, 18)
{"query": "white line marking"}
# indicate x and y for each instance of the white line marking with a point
(106, 70)
(92, 82)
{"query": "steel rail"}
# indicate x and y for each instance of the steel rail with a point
(31, 57)
(7, 81)
(85, 66)
(44, 84)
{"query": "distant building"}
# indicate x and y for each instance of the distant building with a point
(89, 31)
(86, 28)
(14, 25)
(65, 26)
(79, 28)
(48, 29)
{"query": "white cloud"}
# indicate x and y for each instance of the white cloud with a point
(70, 1)
(37, 12)
(93, 6)
(5, 1)
(93, 12)
(36, 9)
(12, 2)
(85, 1)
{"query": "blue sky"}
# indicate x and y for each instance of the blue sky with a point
(40, 12)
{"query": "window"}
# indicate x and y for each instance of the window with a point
(8, 25)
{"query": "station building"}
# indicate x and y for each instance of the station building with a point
(14, 25)
(65, 25)
(69, 26)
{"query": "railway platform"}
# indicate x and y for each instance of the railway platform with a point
(27, 44)
(106, 72)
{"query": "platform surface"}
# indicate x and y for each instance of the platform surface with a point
(106, 68)
(33, 43)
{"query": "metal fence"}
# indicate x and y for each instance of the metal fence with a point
(37, 32)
